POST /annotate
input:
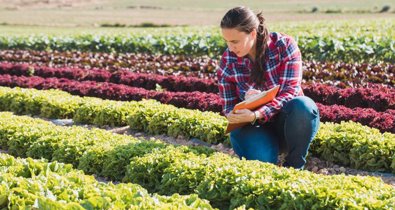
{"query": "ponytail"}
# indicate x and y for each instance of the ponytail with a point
(261, 47)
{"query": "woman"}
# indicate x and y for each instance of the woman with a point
(257, 60)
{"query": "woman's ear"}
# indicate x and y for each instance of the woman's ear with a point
(254, 33)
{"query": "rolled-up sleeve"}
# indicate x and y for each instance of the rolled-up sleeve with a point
(290, 77)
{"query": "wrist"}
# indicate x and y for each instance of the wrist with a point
(254, 119)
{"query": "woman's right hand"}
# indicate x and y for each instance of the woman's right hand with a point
(241, 116)
(250, 93)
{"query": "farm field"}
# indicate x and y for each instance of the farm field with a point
(130, 117)
(93, 13)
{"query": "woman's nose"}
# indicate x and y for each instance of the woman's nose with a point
(233, 49)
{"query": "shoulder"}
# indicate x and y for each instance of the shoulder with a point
(285, 44)
(281, 40)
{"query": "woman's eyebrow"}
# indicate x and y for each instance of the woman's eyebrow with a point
(230, 40)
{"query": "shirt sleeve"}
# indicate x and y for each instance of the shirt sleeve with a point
(290, 77)
(227, 87)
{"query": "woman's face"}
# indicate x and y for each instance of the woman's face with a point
(239, 42)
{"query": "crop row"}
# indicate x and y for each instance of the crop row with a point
(384, 121)
(203, 67)
(349, 74)
(105, 90)
(143, 80)
(114, 61)
(36, 184)
(225, 181)
(150, 116)
(317, 47)
(150, 81)
(155, 118)
(191, 100)
(377, 97)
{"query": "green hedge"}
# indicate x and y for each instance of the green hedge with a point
(34, 184)
(349, 144)
(225, 181)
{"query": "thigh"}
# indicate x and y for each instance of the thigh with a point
(255, 143)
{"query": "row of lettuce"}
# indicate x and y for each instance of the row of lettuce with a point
(344, 75)
(347, 143)
(376, 96)
(199, 66)
(131, 61)
(347, 48)
(384, 121)
(225, 181)
(37, 184)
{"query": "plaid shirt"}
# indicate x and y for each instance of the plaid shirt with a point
(284, 68)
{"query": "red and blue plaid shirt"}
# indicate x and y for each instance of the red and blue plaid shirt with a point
(284, 68)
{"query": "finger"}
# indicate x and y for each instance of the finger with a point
(243, 111)
(253, 91)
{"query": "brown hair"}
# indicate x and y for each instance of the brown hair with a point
(243, 19)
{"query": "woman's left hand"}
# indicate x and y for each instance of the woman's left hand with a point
(251, 93)
(241, 116)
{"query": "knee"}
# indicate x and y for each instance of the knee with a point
(302, 106)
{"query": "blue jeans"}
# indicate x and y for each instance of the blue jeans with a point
(291, 131)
